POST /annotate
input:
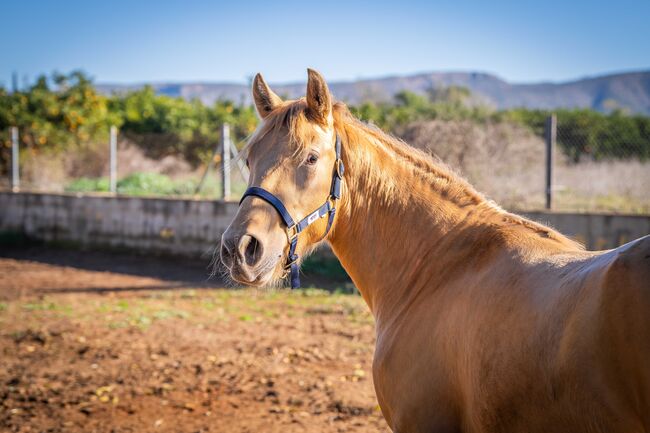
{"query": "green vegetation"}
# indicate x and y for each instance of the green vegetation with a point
(586, 133)
(194, 308)
(9, 238)
(63, 112)
(322, 265)
(86, 184)
(151, 184)
(446, 104)
(166, 125)
(581, 133)
(137, 184)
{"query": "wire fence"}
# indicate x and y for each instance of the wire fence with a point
(563, 166)
(126, 164)
(602, 168)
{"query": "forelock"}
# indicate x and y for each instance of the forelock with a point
(289, 120)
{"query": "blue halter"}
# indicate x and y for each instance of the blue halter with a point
(293, 229)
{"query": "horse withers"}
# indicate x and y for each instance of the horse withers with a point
(485, 321)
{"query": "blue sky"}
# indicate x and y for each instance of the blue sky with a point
(137, 41)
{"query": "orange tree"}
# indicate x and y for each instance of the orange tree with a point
(54, 114)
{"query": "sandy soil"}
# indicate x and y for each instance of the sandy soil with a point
(97, 342)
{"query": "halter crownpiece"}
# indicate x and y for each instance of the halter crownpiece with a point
(293, 229)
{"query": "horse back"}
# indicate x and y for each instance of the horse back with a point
(581, 328)
(631, 265)
(624, 323)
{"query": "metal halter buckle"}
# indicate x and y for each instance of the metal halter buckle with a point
(340, 168)
(292, 232)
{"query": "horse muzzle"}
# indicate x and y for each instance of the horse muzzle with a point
(244, 258)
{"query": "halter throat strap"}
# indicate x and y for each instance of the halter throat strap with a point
(293, 229)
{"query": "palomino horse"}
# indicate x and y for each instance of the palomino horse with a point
(486, 322)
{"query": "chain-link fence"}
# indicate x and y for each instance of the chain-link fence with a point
(603, 165)
(596, 166)
(596, 162)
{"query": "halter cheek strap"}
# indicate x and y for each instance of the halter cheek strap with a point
(293, 229)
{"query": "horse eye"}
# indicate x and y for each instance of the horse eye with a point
(311, 159)
(247, 164)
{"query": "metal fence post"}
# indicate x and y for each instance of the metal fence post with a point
(15, 160)
(550, 132)
(113, 160)
(225, 161)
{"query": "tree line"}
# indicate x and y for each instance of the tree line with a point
(582, 134)
(62, 111)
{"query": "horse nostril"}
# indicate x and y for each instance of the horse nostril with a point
(226, 252)
(250, 249)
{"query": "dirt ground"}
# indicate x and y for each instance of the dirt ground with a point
(98, 342)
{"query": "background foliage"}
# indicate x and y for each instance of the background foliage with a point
(63, 112)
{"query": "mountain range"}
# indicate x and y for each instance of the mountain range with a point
(628, 91)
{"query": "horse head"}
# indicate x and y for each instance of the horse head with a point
(295, 178)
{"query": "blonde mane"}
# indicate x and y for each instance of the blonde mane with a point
(431, 169)
(423, 165)
(291, 119)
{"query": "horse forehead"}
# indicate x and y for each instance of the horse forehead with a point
(288, 138)
(269, 147)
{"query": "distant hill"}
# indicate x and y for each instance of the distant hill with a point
(628, 91)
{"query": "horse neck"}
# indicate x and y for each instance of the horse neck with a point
(394, 214)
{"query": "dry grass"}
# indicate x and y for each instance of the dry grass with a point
(507, 163)
(622, 186)
(50, 171)
(503, 161)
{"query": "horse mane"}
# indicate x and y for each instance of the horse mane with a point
(424, 165)
(292, 119)
(431, 168)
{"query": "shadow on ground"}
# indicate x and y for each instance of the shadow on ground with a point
(150, 272)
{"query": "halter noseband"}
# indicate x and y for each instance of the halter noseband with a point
(293, 229)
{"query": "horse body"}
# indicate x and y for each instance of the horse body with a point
(485, 321)
(488, 322)
(556, 347)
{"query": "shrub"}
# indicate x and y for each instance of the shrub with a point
(136, 184)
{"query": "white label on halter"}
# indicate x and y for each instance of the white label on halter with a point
(313, 217)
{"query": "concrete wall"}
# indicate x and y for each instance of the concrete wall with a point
(169, 226)
(193, 227)
(597, 231)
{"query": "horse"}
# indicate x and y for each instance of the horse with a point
(485, 321)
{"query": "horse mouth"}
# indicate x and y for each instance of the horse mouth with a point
(258, 281)
(258, 277)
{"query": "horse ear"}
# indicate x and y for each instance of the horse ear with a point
(319, 101)
(265, 99)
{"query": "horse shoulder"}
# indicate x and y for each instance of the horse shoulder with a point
(407, 371)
